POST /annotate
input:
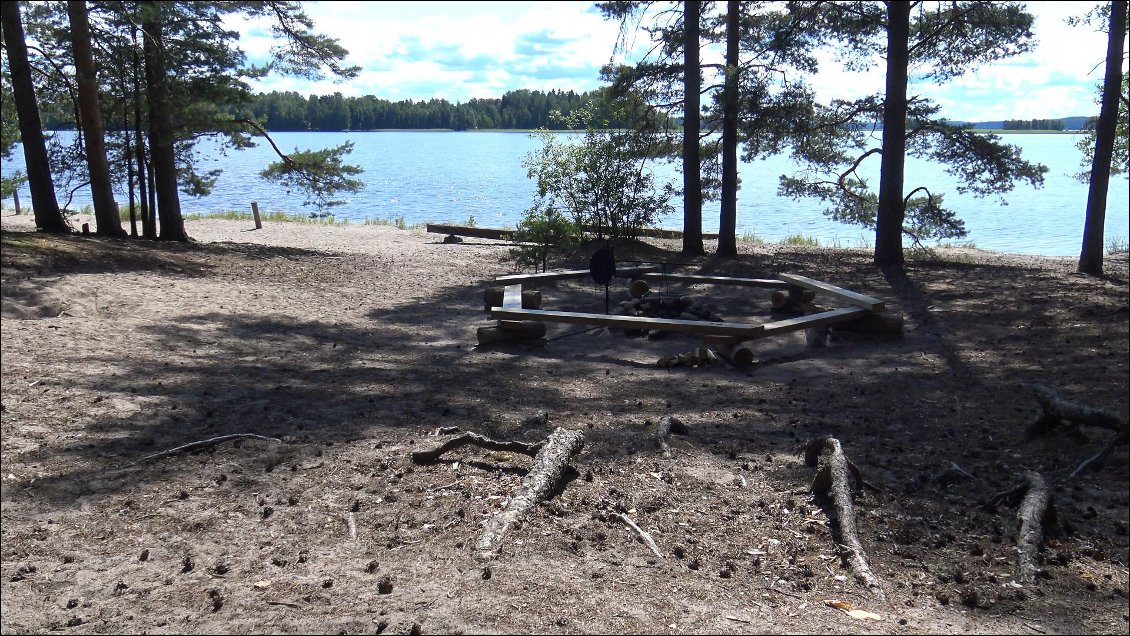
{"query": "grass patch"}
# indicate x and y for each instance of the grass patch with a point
(751, 237)
(800, 240)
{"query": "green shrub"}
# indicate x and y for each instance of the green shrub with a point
(601, 181)
(542, 230)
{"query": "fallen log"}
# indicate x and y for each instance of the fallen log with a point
(668, 424)
(886, 324)
(1035, 512)
(787, 298)
(549, 467)
(493, 297)
(1055, 410)
(832, 480)
(739, 355)
(511, 331)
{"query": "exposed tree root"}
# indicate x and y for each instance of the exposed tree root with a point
(550, 464)
(1098, 457)
(668, 424)
(1055, 410)
(832, 480)
(1035, 512)
(474, 439)
(202, 444)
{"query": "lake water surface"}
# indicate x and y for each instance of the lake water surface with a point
(442, 177)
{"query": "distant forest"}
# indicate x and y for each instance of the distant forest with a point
(516, 110)
(1034, 124)
(520, 109)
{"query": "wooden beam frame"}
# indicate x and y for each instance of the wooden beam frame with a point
(788, 325)
(731, 329)
(846, 295)
(719, 280)
(621, 272)
(728, 335)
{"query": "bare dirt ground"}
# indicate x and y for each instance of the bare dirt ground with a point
(354, 345)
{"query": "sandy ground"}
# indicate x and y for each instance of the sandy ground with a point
(351, 347)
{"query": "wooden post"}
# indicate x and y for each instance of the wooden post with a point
(16, 199)
(255, 213)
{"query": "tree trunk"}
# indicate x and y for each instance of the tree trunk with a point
(164, 181)
(1091, 257)
(728, 220)
(48, 217)
(148, 221)
(888, 223)
(692, 164)
(107, 220)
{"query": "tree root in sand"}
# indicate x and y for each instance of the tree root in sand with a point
(1036, 512)
(551, 459)
(200, 445)
(474, 439)
(1055, 410)
(668, 424)
(832, 480)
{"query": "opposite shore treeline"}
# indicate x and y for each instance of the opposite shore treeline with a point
(516, 110)
(290, 112)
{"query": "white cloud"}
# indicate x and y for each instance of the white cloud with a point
(1057, 79)
(460, 50)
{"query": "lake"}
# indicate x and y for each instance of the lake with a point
(450, 177)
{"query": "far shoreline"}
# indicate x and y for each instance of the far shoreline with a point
(24, 222)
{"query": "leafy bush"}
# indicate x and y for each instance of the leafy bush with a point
(543, 229)
(600, 181)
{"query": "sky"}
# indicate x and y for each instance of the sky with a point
(461, 50)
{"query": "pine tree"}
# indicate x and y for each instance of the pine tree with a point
(947, 39)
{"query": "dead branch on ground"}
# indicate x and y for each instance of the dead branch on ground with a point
(1055, 410)
(642, 534)
(202, 444)
(549, 467)
(474, 439)
(832, 480)
(1036, 510)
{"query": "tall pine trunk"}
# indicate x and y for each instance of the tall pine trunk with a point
(164, 181)
(148, 219)
(692, 164)
(48, 216)
(106, 216)
(728, 219)
(892, 210)
(1091, 257)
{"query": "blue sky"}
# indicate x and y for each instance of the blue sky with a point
(460, 50)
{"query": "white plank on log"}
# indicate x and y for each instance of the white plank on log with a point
(846, 295)
(796, 324)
